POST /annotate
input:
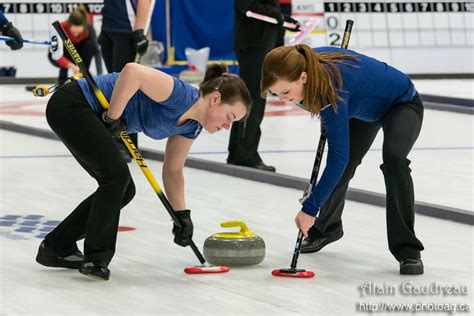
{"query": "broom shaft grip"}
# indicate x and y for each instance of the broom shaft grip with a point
(296, 252)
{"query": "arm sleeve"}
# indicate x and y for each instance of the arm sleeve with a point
(255, 6)
(3, 19)
(63, 62)
(336, 125)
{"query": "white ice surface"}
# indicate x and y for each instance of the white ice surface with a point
(38, 176)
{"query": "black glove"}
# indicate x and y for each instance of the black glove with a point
(289, 19)
(9, 30)
(115, 126)
(140, 41)
(183, 235)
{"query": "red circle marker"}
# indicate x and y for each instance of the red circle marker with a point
(125, 228)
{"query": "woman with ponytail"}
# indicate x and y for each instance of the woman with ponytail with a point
(144, 100)
(82, 35)
(355, 96)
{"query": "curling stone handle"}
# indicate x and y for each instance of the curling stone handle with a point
(244, 230)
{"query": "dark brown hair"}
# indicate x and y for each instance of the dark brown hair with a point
(324, 79)
(78, 16)
(231, 87)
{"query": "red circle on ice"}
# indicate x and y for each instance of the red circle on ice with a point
(125, 228)
(297, 274)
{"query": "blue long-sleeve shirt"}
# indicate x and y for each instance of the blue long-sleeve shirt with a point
(370, 88)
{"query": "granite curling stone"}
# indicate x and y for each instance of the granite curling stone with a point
(234, 248)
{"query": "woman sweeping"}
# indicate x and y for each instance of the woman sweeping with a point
(144, 100)
(355, 95)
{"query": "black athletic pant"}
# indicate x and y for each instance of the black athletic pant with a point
(286, 9)
(97, 217)
(86, 49)
(401, 127)
(118, 49)
(245, 136)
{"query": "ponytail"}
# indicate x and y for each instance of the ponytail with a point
(323, 80)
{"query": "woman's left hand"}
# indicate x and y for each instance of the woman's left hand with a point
(304, 222)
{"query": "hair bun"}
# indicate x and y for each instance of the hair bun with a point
(214, 71)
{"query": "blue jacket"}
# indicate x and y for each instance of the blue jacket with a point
(370, 88)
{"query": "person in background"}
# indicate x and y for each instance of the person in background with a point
(8, 29)
(355, 96)
(123, 37)
(253, 39)
(82, 35)
(286, 10)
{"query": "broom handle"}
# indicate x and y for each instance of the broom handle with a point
(296, 252)
(319, 152)
(30, 41)
(268, 19)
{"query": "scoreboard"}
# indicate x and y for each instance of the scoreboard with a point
(47, 7)
(416, 36)
(403, 24)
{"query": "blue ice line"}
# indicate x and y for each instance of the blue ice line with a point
(295, 151)
(313, 151)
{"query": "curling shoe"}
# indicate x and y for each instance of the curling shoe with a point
(96, 269)
(310, 245)
(47, 256)
(411, 267)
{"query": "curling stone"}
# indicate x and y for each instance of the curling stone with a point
(234, 248)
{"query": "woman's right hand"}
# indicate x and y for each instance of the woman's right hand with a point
(304, 222)
(183, 234)
(116, 127)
